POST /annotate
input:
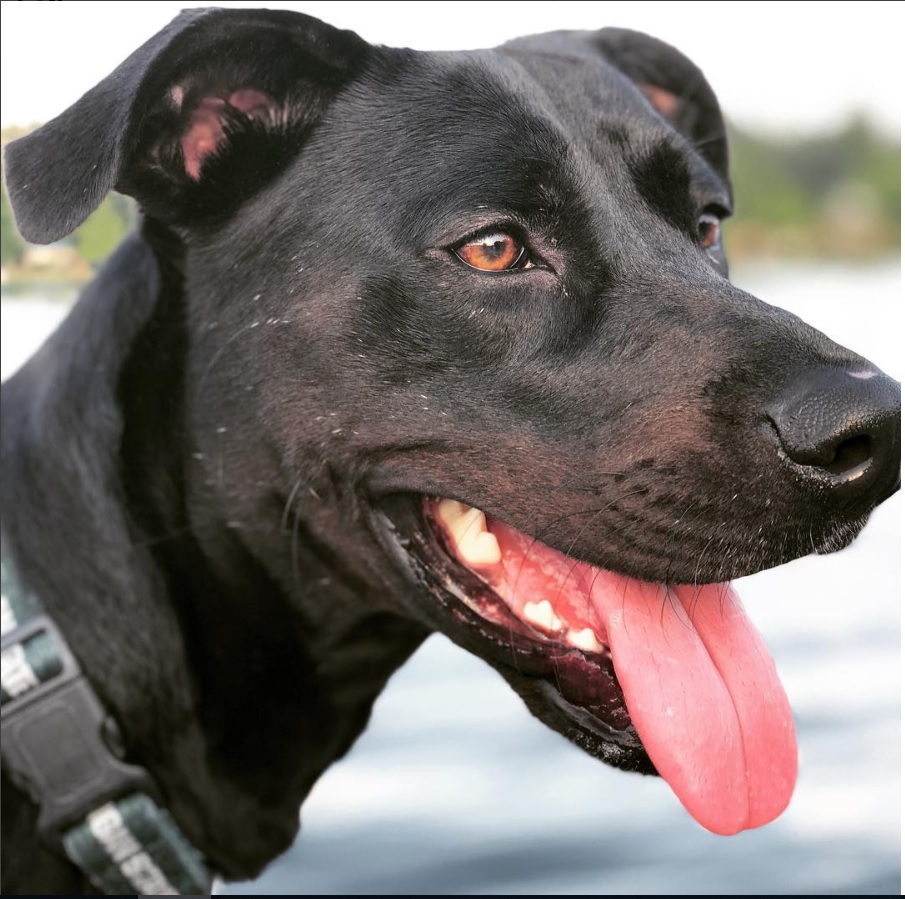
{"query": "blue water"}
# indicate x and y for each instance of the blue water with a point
(456, 789)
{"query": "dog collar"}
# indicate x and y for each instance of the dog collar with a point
(58, 743)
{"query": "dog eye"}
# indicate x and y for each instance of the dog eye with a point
(496, 251)
(709, 231)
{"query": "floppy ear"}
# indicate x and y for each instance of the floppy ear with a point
(191, 124)
(675, 87)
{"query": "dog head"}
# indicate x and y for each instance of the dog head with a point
(459, 343)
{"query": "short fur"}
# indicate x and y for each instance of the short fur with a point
(198, 464)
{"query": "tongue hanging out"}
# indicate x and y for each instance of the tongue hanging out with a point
(699, 683)
(704, 696)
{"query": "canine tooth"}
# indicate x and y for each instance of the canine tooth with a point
(542, 615)
(480, 549)
(585, 640)
(450, 510)
(460, 518)
(471, 523)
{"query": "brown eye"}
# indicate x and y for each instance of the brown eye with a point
(493, 252)
(709, 231)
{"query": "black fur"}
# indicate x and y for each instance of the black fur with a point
(197, 465)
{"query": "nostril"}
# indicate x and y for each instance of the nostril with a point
(836, 458)
(841, 431)
(851, 458)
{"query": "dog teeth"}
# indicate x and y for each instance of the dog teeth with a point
(541, 615)
(468, 528)
(585, 640)
(482, 549)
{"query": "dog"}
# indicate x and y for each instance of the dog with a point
(410, 342)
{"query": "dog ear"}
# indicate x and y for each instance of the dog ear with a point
(191, 124)
(673, 85)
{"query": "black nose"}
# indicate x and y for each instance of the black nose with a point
(842, 429)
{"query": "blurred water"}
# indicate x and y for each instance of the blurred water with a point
(455, 789)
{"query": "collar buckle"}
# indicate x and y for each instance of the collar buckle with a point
(56, 738)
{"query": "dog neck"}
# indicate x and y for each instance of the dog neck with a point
(230, 683)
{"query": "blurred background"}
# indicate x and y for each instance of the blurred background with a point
(455, 788)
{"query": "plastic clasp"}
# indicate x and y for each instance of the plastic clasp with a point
(53, 742)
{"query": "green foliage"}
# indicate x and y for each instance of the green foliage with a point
(12, 247)
(834, 195)
(103, 230)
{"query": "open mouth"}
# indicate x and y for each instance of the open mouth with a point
(671, 678)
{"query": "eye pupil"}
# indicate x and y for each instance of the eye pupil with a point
(494, 252)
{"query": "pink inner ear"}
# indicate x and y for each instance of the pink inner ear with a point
(206, 134)
(662, 100)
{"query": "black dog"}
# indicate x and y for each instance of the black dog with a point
(376, 291)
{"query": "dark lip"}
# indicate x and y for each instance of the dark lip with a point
(566, 678)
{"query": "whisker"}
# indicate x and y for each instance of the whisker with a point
(584, 529)
(713, 138)
(701, 558)
(296, 570)
(284, 520)
(220, 351)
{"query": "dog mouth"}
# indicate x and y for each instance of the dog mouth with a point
(667, 679)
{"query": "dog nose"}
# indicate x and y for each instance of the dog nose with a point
(842, 429)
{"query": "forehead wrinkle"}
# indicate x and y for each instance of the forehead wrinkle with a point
(600, 88)
(620, 111)
(606, 148)
(496, 140)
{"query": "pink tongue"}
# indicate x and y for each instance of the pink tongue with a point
(704, 696)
